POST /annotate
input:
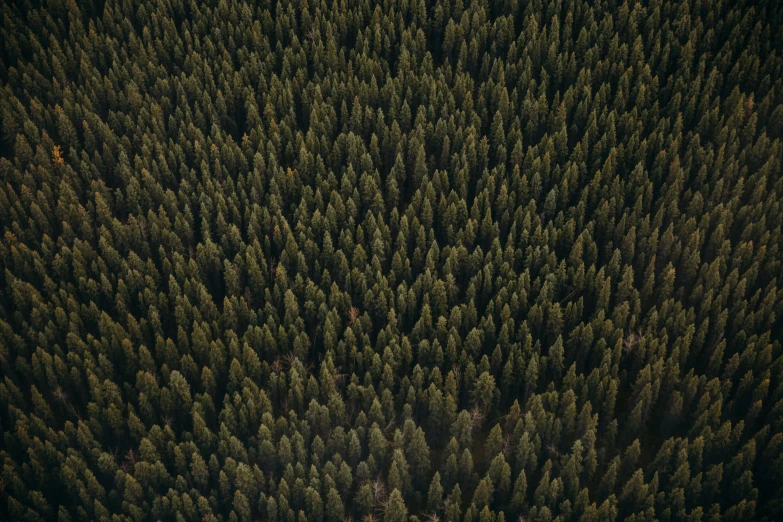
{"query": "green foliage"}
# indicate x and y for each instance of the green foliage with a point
(472, 261)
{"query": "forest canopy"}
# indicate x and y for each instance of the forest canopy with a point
(453, 260)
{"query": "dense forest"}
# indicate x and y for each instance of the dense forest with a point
(456, 260)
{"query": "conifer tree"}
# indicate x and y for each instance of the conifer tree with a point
(315, 261)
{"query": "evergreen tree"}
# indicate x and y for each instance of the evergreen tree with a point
(395, 510)
(435, 494)
(316, 261)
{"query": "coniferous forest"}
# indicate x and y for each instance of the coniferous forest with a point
(455, 260)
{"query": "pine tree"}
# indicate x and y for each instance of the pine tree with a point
(268, 252)
(435, 495)
(483, 494)
(334, 506)
(395, 510)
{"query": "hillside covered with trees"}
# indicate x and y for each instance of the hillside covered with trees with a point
(456, 260)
